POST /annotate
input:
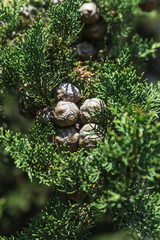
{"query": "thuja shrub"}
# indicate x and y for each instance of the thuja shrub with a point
(96, 138)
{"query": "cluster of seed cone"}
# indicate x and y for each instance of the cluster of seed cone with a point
(77, 125)
(93, 30)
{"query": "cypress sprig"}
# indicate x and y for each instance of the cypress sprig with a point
(9, 14)
(64, 22)
(119, 179)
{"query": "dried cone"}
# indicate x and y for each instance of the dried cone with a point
(68, 137)
(46, 115)
(26, 107)
(89, 13)
(149, 5)
(85, 50)
(94, 32)
(66, 114)
(67, 92)
(91, 106)
(87, 137)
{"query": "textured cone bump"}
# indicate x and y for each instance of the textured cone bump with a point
(67, 92)
(68, 137)
(93, 105)
(94, 32)
(89, 13)
(85, 50)
(66, 114)
(87, 136)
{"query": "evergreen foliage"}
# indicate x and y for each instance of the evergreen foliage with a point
(120, 178)
(9, 15)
